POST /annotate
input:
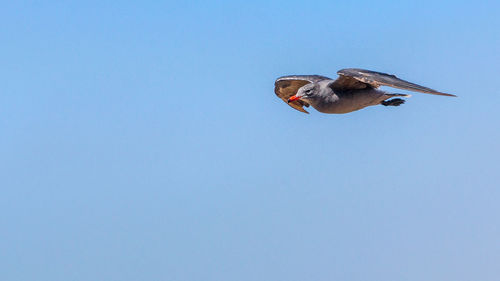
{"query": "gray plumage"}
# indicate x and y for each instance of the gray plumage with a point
(354, 89)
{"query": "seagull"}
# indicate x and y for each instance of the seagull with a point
(353, 90)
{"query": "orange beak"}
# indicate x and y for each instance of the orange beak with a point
(293, 98)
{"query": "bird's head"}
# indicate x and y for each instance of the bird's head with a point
(306, 93)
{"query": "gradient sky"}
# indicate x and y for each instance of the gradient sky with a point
(143, 141)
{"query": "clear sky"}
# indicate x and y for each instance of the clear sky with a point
(143, 141)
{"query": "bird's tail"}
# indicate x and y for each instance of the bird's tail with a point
(398, 95)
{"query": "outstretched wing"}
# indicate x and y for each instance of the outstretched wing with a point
(353, 78)
(287, 86)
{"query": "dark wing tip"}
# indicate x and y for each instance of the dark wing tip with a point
(445, 94)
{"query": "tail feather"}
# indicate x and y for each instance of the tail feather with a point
(393, 102)
(398, 95)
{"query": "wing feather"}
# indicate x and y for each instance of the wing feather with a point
(354, 78)
(287, 86)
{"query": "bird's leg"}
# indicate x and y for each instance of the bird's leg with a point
(393, 102)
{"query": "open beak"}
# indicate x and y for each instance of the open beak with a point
(293, 98)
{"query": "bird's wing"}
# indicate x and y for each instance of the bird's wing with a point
(353, 78)
(287, 86)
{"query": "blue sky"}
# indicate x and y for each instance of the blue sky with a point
(143, 141)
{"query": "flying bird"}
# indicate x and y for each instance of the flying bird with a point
(354, 89)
